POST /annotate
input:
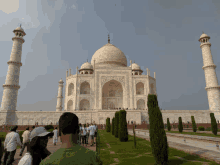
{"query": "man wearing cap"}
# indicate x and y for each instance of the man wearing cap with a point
(92, 129)
(70, 152)
(37, 147)
(25, 136)
(12, 139)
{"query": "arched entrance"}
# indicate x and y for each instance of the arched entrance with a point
(141, 104)
(112, 95)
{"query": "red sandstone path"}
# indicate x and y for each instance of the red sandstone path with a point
(50, 147)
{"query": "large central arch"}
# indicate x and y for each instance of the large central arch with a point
(112, 95)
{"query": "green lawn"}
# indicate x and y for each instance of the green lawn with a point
(195, 133)
(128, 155)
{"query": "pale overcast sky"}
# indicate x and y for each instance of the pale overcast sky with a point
(161, 35)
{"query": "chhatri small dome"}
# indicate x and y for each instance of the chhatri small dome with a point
(204, 36)
(61, 81)
(135, 66)
(109, 55)
(86, 65)
(19, 28)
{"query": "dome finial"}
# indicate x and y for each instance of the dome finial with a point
(108, 39)
(87, 59)
(134, 61)
(203, 32)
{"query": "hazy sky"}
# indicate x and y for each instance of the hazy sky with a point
(159, 35)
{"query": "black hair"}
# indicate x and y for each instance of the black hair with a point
(27, 128)
(33, 127)
(56, 128)
(68, 123)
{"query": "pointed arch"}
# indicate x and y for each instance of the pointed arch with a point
(70, 105)
(85, 88)
(141, 104)
(70, 89)
(84, 104)
(140, 88)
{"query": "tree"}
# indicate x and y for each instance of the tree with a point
(113, 127)
(123, 128)
(108, 126)
(193, 124)
(116, 124)
(180, 126)
(168, 124)
(158, 137)
(214, 124)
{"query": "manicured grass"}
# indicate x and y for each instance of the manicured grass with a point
(128, 155)
(195, 133)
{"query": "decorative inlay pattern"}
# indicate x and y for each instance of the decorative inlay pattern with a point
(105, 79)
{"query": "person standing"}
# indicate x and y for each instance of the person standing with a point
(25, 136)
(96, 130)
(80, 133)
(55, 136)
(12, 139)
(37, 147)
(87, 134)
(1, 151)
(70, 151)
(92, 134)
(84, 135)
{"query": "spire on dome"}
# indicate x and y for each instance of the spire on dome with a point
(87, 59)
(108, 39)
(20, 25)
(203, 32)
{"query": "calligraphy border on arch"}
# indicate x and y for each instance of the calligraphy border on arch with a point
(120, 79)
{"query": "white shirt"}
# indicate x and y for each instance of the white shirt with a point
(87, 129)
(26, 159)
(55, 133)
(12, 139)
(26, 136)
(84, 131)
(92, 130)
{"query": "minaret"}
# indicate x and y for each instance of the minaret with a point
(60, 96)
(212, 86)
(11, 86)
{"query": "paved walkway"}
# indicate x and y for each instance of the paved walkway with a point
(50, 147)
(204, 149)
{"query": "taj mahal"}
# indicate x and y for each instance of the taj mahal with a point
(102, 87)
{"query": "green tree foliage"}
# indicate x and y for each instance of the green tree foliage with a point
(168, 124)
(193, 124)
(158, 137)
(180, 126)
(47, 127)
(123, 128)
(113, 127)
(116, 124)
(108, 126)
(214, 124)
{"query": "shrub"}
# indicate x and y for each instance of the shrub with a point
(20, 135)
(214, 124)
(201, 128)
(168, 124)
(180, 126)
(193, 124)
(158, 137)
(47, 127)
(108, 126)
(208, 129)
(113, 127)
(116, 124)
(50, 130)
(187, 126)
(123, 128)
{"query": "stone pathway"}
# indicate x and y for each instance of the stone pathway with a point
(50, 147)
(203, 149)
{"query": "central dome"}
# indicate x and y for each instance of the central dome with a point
(109, 55)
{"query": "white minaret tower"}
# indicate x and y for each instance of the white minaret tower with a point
(11, 86)
(60, 96)
(212, 86)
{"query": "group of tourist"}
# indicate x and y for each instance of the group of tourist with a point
(86, 131)
(71, 134)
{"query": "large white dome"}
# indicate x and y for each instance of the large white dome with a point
(109, 55)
